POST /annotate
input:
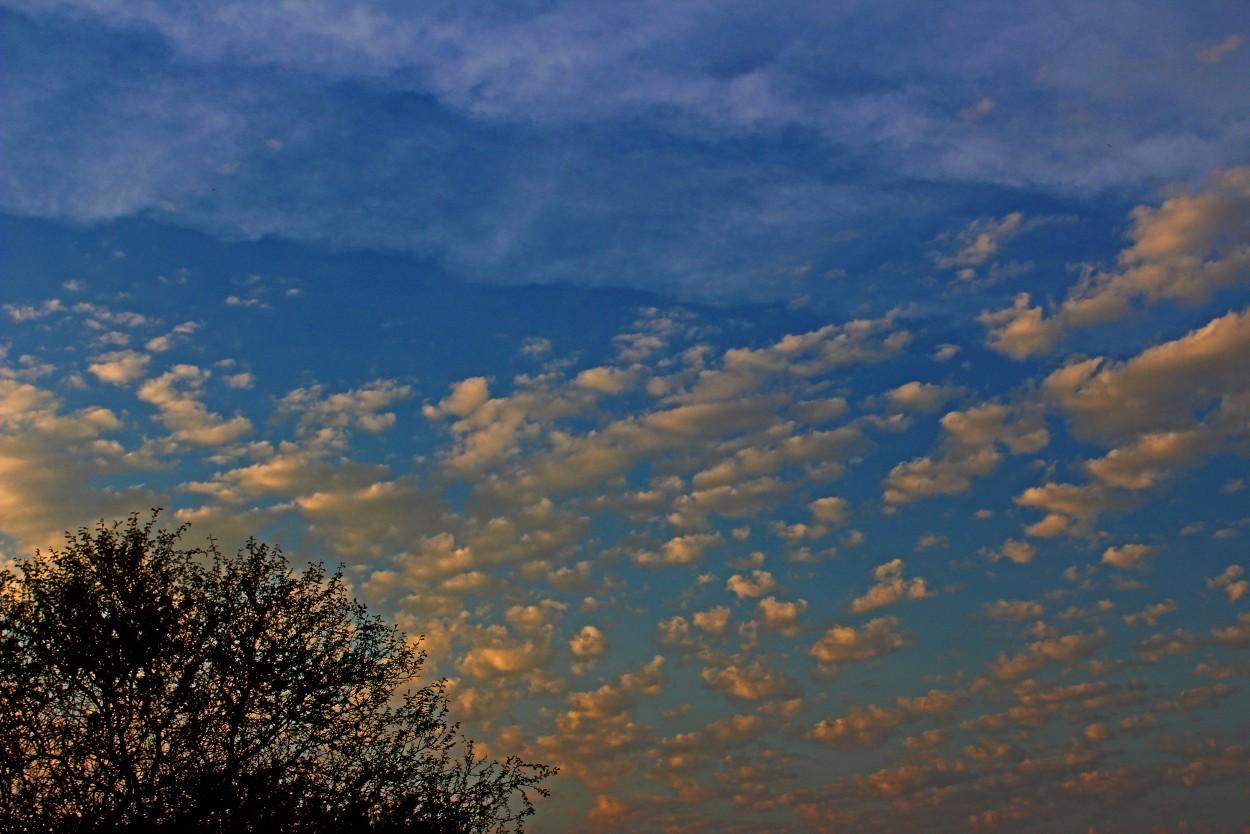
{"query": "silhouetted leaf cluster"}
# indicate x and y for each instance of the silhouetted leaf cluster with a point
(144, 687)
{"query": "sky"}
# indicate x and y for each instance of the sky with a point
(782, 417)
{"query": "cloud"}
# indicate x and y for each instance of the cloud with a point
(1162, 410)
(53, 462)
(176, 395)
(1013, 550)
(1183, 251)
(588, 645)
(713, 621)
(830, 510)
(843, 644)
(1036, 703)
(550, 483)
(782, 617)
(607, 380)
(1014, 610)
(119, 367)
(160, 344)
(682, 550)
(1112, 786)
(1020, 331)
(1214, 765)
(362, 408)
(30, 312)
(920, 396)
(1231, 583)
(871, 726)
(968, 448)
(908, 779)
(1191, 700)
(496, 653)
(978, 110)
(1186, 249)
(1217, 52)
(595, 733)
(890, 588)
(1070, 509)
(467, 396)
(526, 110)
(240, 381)
(1150, 614)
(719, 413)
(1066, 648)
(1152, 457)
(981, 239)
(1129, 556)
(749, 680)
(98, 317)
(360, 512)
(759, 583)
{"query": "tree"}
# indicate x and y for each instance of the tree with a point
(145, 687)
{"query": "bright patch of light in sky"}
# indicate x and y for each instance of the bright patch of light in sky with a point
(827, 418)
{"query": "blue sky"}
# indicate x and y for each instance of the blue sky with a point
(827, 417)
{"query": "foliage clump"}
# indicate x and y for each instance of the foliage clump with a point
(145, 687)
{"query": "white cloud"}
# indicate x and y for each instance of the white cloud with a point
(890, 588)
(749, 681)
(1231, 583)
(1152, 457)
(1013, 550)
(497, 652)
(681, 550)
(843, 644)
(1066, 648)
(176, 395)
(830, 510)
(969, 448)
(920, 396)
(467, 396)
(28, 312)
(1014, 610)
(607, 380)
(1020, 331)
(1150, 614)
(783, 617)
(1183, 251)
(160, 344)
(588, 645)
(1129, 556)
(241, 381)
(363, 408)
(119, 367)
(1070, 509)
(980, 240)
(870, 726)
(51, 464)
(595, 735)
(1162, 387)
(759, 583)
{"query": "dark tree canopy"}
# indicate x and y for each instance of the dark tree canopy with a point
(147, 687)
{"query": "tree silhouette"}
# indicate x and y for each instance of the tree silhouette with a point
(144, 687)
